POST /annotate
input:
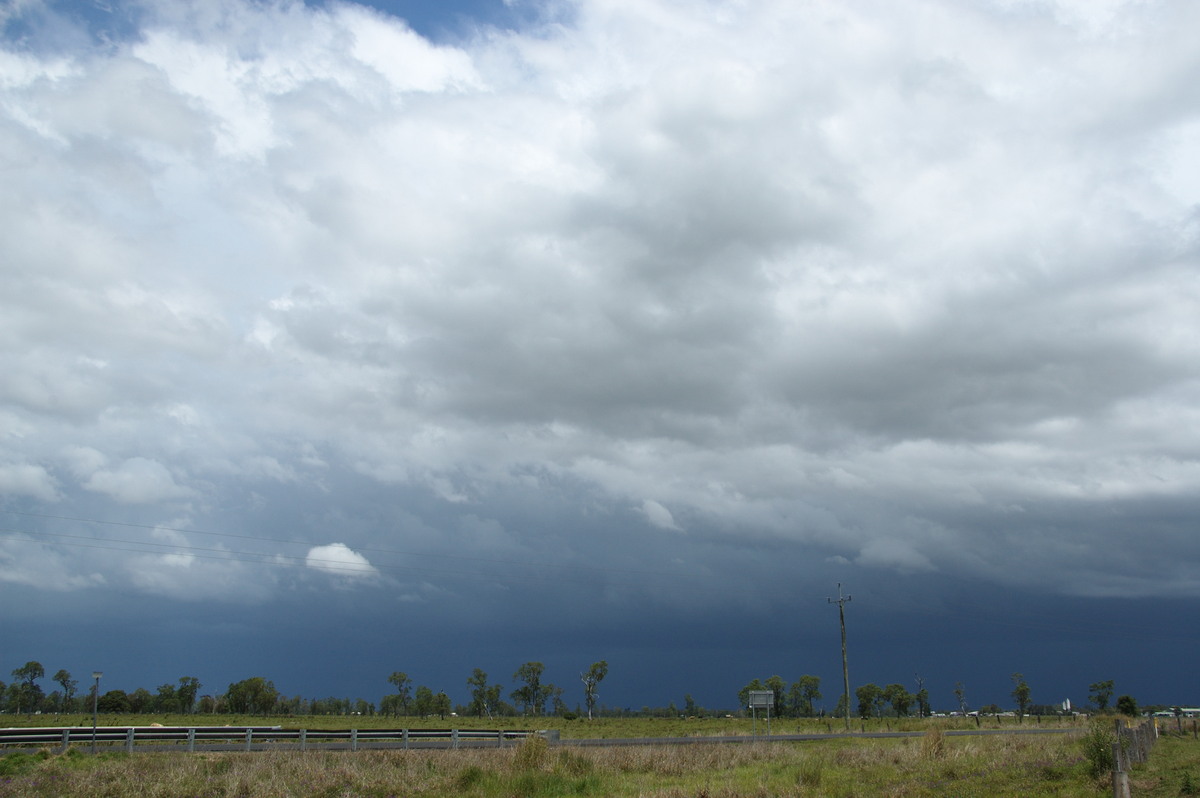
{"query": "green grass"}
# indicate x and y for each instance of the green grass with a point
(1173, 769)
(932, 765)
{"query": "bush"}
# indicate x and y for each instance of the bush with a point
(1097, 746)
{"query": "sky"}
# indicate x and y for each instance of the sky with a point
(344, 339)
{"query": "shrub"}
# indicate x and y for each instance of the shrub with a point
(1097, 746)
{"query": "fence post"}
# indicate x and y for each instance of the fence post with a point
(191, 741)
(354, 739)
(1120, 784)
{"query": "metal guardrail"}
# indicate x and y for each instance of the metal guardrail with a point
(252, 738)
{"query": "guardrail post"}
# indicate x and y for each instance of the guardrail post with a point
(129, 740)
(66, 740)
(304, 739)
(354, 739)
(249, 737)
(454, 738)
(191, 741)
(405, 738)
(500, 738)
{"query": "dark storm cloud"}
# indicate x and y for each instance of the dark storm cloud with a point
(634, 318)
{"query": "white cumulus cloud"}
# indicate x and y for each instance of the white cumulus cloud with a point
(340, 560)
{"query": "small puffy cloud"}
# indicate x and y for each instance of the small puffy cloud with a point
(83, 461)
(340, 560)
(137, 481)
(22, 479)
(659, 516)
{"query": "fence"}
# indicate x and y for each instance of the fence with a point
(253, 738)
(1132, 747)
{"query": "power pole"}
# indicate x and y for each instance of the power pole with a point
(841, 602)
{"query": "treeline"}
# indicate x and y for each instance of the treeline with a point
(895, 700)
(797, 700)
(26, 696)
(532, 695)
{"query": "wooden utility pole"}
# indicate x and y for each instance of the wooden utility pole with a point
(841, 602)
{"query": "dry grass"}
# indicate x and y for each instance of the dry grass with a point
(934, 765)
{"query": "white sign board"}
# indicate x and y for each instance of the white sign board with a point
(762, 699)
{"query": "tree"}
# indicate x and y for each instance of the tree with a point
(403, 690)
(29, 673)
(140, 700)
(1020, 694)
(899, 698)
(744, 693)
(69, 685)
(804, 692)
(1099, 694)
(28, 692)
(424, 701)
(113, 702)
(441, 704)
(869, 696)
(532, 695)
(1127, 706)
(922, 698)
(186, 693)
(591, 680)
(777, 686)
(26, 697)
(255, 696)
(484, 697)
(167, 700)
(960, 693)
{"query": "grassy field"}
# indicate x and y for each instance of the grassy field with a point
(569, 729)
(934, 764)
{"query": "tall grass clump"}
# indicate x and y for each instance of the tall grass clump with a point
(933, 744)
(810, 773)
(531, 754)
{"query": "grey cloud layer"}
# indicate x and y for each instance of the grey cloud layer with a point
(913, 286)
